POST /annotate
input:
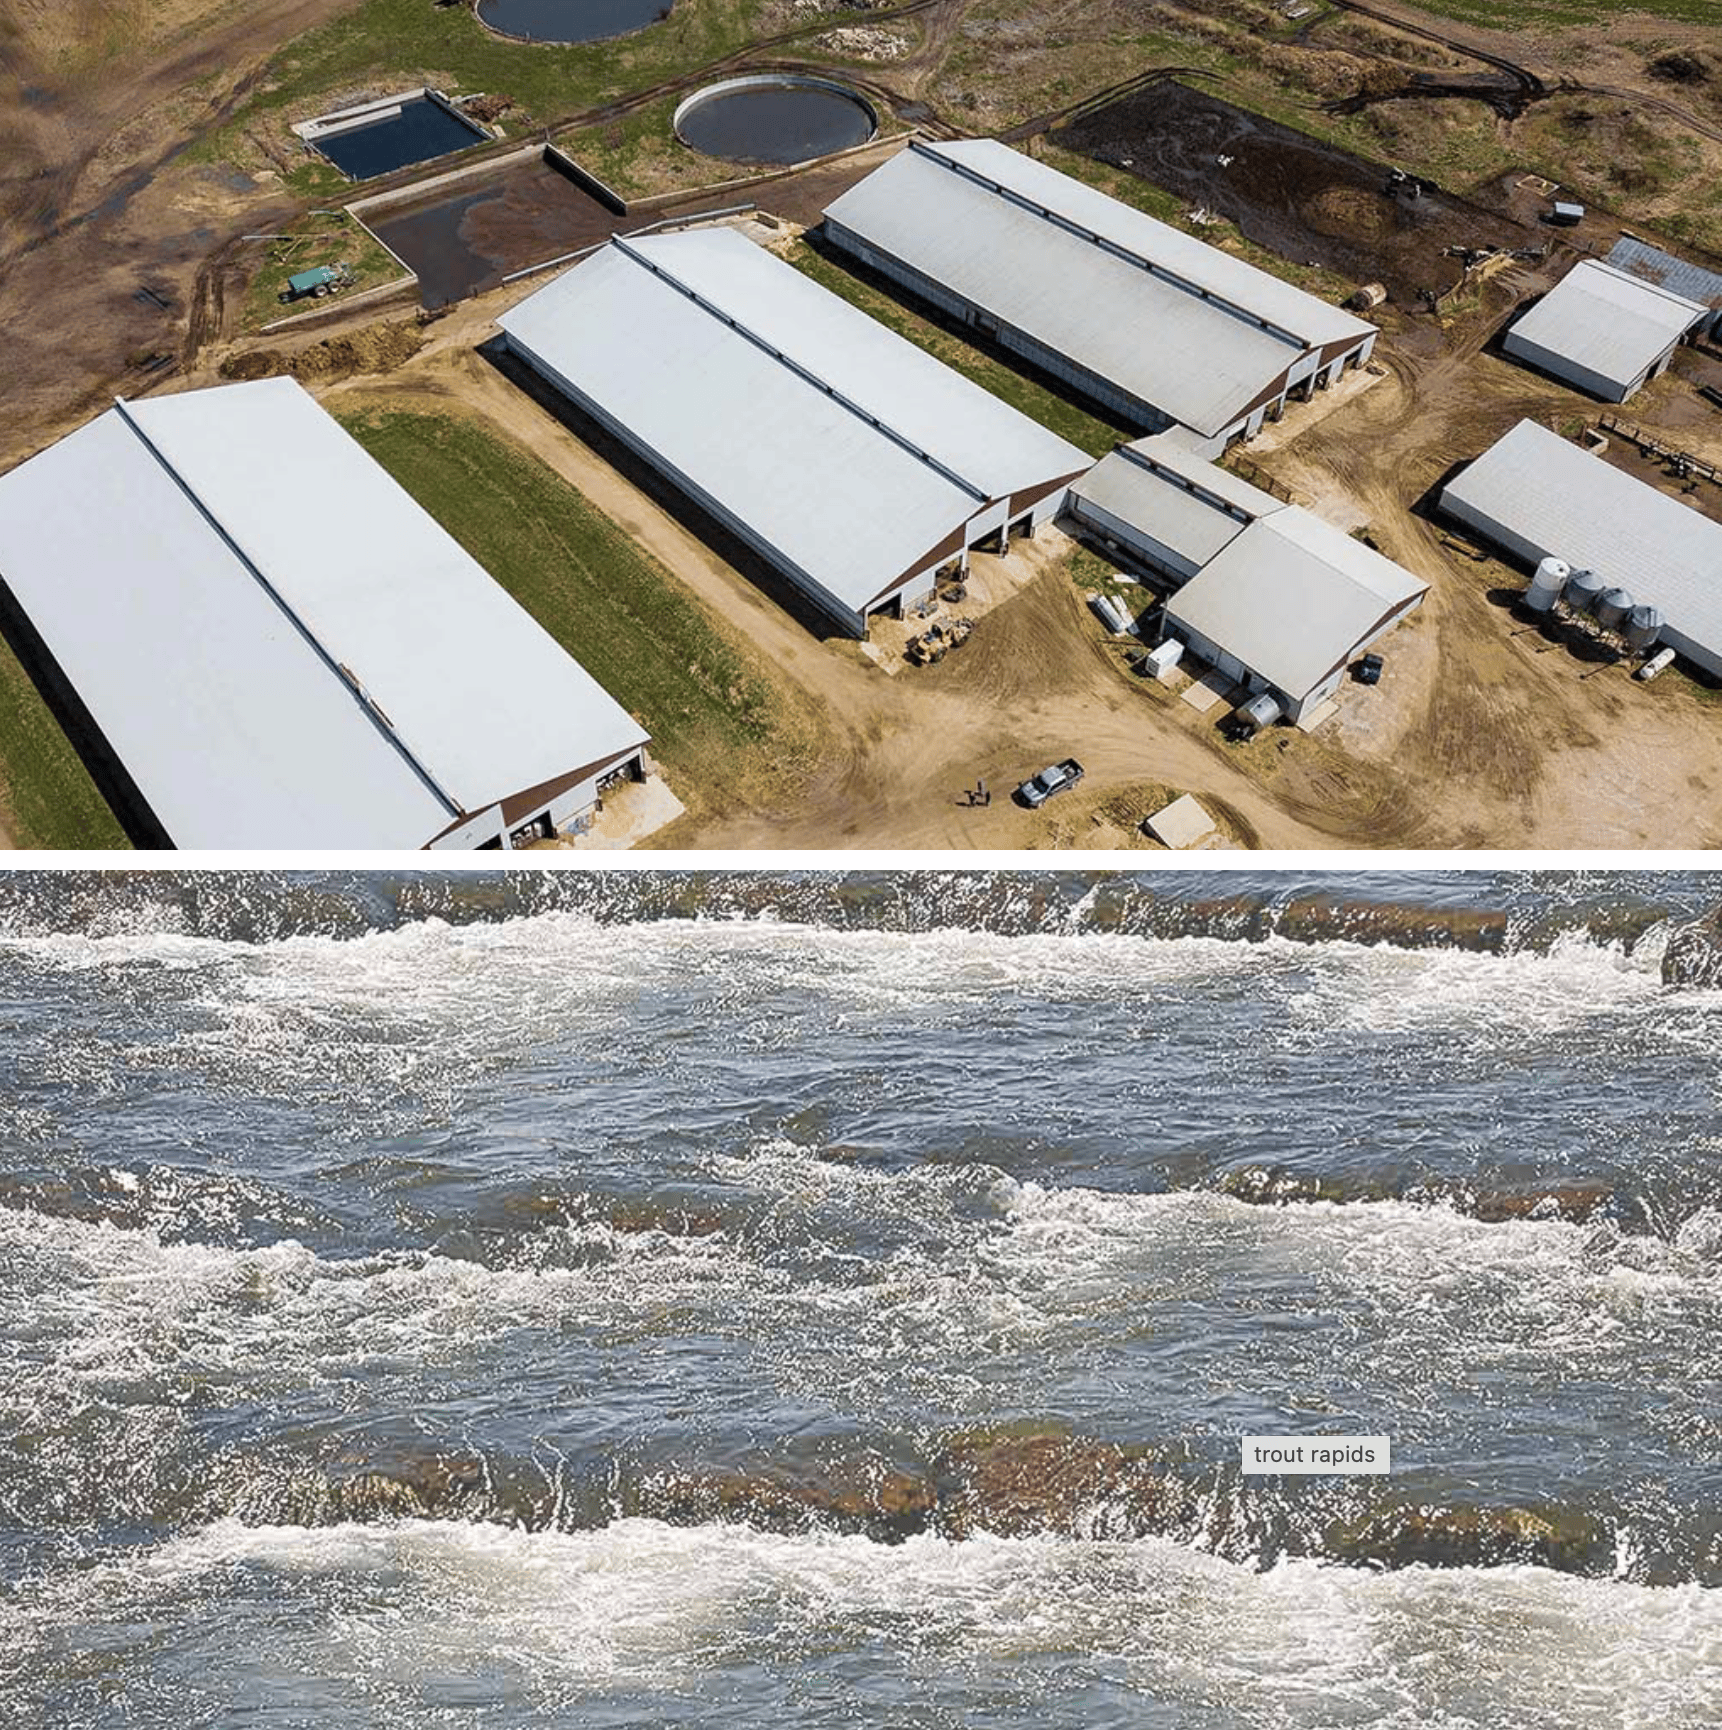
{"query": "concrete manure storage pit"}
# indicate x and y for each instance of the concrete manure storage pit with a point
(773, 118)
(393, 132)
(464, 237)
(570, 20)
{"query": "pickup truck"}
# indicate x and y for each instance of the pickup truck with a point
(1037, 789)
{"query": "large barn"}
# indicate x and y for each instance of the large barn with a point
(261, 640)
(1153, 325)
(852, 462)
(1603, 330)
(1278, 600)
(1536, 495)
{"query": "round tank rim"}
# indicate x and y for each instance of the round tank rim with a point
(662, 17)
(772, 81)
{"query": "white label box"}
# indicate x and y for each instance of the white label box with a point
(1308, 1456)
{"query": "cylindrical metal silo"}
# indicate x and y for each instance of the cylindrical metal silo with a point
(1583, 589)
(1643, 627)
(1612, 606)
(1546, 584)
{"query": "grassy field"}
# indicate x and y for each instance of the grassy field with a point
(47, 798)
(1518, 16)
(390, 42)
(614, 608)
(1038, 401)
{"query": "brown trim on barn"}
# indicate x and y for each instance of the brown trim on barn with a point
(524, 804)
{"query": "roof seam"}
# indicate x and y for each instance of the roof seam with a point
(341, 671)
(1113, 248)
(980, 494)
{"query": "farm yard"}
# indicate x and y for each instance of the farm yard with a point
(141, 170)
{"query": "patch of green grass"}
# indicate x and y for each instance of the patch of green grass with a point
(1036, 400)
(610, 605)
(50, 800)
(1515, 17)
(383, 43)
(316, 240)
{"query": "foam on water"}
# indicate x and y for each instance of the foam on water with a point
(413, 1607)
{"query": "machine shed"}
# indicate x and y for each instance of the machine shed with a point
(270, 644)
(1602, 330)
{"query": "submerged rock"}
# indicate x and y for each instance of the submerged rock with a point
(875, 1501)
(1694, 954)
(1280, 1186)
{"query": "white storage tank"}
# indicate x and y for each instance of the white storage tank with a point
(1260, 711)
(1546, 584)
(1643, 627)
(1583, 590)
(1612, 606)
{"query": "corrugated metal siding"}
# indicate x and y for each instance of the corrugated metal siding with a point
(1651, 264)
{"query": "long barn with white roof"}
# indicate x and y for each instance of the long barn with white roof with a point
(855, 464)
(1152, 324)
(267, 643)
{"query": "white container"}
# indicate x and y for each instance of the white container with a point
(1164, 658)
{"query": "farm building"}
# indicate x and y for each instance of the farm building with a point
(1156, 327)
(267, 643)
(1274, 597)
(1602, 330)
(852, 462)
(1535, 495)
(1692, 281)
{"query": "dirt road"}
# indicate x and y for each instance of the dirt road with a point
(102, 229)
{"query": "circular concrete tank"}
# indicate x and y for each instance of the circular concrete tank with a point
(775, 119)
(569, 20)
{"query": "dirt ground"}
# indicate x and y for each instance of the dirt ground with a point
(1299, 197)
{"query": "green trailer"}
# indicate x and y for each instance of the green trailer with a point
(326, 279)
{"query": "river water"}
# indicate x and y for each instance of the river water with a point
(374, 1251)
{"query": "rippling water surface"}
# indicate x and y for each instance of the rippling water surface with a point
(382, 1259)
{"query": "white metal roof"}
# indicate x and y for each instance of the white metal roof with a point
(1292, 597)
(210, 569)
(840, 443)
(1607, 322)
(1186, 507)
(1167, 317)
(1561, 501)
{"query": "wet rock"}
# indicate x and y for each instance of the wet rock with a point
(1434, 1537)
(1280, 1186)
(874, 1500)
(1316, 919)
(1573, 1203)
(1693, 957)
(1025, 1483)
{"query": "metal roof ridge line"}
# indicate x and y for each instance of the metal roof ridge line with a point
(341, 671)
(902, 440)
(1117, 249)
